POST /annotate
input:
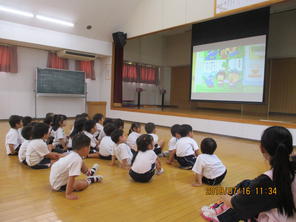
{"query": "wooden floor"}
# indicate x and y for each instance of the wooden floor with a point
(25, 194)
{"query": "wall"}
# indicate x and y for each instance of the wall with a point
(147, 50)
(16, 90)
(154, 15)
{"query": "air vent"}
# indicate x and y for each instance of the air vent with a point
(76, 55)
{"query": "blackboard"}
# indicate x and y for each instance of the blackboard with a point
(56, 81)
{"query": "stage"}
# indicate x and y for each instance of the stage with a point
(285, 120)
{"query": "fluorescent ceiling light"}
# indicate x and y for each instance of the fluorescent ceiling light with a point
(14, 11)
(57, 21)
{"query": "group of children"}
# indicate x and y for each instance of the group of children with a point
(44, 145)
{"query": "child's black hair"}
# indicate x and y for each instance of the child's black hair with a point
(119, 123)
(84, 115)
(208, 146)
(134, 125)
(78, 127)
(26, 120)
(278, 143)
(27, 132)
(175, 129)
(188, 127)
(109, 128)
(107, 120)
(143, 142)
(149, 127)
(39, 130)
(57, 120)
(89, 124)
(183, 131)
(49, 114)
(98, 117)
(116, 134)
(80, 141)
(48, 120)
(13, 120)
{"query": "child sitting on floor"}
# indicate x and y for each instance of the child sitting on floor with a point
(13, 139)
(38, 155)
(208, 168)
(89, 130)
(145, 160)
(157, 143)
(27, 135)
(133, 134)
(64, 172)
(186, 148)
(175, 137)
(98, 118)
(121, 151)
(106, 145)
(60, 139)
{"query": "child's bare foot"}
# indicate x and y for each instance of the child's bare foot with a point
(71, 196)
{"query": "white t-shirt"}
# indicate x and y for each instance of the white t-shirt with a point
(186, 146)
(144, 161)
(58, 134)
(36, 151)
(172, 143)
(99, 129)
(101, 135)
(20, 133)
(210, 166)
(93, 140)
(12, 137)
(106, 146)
(23, 150)
(123, 151)
(64, 168)
(155, 139)
(131, 140)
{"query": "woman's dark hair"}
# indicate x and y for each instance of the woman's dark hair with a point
(175, 129)
(143, 142)
(134, 125)
(26, 120)
(278, 143)
(98, 117)
(57, 120)
(116, 134)
(208, 146)
(119, 123)
(78, 127)
(89, 124)
(149, 127)
(39, 130)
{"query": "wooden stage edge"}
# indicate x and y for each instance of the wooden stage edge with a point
(209, 117)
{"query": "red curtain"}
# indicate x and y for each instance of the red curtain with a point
(8, 59)
(118, 68)
(87, 67)
(148, 74)
(55, 62)
(130, 73)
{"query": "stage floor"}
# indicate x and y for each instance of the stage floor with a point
(286, 120)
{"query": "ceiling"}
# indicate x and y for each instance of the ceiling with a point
(105, 17)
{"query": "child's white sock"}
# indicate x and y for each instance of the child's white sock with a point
(94, 179)
(93, 170)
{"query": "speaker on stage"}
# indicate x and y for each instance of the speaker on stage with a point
(119, 38)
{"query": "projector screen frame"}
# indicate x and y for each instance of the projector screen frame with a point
(227, 101)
